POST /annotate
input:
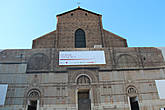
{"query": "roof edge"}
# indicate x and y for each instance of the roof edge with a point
(115, 34)
(78, 9)
(44, 35)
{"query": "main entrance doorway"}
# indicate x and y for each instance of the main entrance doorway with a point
(84, 102)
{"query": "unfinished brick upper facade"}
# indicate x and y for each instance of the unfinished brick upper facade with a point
(69, 22)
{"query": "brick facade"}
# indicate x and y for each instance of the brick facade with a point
(35, 74)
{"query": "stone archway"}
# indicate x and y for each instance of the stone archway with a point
(33, 97)
(75, 74)
(83, 88)
(83, 79)
(133, 97)
(83, 92)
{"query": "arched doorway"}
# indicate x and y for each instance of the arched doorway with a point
(33, 99)
(133, 97)
(84, 100)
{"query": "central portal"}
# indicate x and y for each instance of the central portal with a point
(84, 102)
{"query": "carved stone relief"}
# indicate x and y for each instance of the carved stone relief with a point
(38, 61)
(125, 60)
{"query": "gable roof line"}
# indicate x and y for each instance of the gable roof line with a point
(115, 34)
(44, 35)
(78, 9)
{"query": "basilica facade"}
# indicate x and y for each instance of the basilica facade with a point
(81, 66)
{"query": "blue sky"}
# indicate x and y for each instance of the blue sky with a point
(141, 22)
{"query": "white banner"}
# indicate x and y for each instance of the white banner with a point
(81, 57)
(3, 91)
(160, 84)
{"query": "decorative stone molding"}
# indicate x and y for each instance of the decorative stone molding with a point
(34, 94)
(131, 91)
(91, 75)
(83, 79)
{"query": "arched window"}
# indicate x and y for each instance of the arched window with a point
(80, 41)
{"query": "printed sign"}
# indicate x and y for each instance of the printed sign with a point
(81, 57)
(3, 91)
